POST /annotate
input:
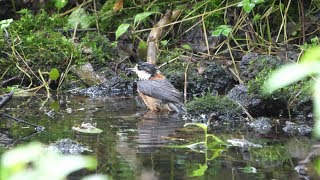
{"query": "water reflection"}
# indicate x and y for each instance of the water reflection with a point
(134, 142)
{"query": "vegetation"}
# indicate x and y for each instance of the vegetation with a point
(33, 161)
(209, 103)
(37, 41)
(40, 45)
(292, 73)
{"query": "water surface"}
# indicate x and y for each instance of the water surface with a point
(134, 143)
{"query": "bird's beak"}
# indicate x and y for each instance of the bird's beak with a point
(134, 69)
(131, 69)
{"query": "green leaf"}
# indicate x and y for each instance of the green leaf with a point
(316, 106)
(60, 3)
(222, 29)
(187, 47)
(200, 171)
(315, 41)
(32, 161)
(54, 74)
(289, 74)
(311, 54)
(217, 32)
(164, 42)
(258, 1)
(226, 32)
(257, 17)
(316, 165)
(5, 23)
(121, 30)
(81, 17)
(141, 16)
(96, 177)
(249, 170)
(248, 7)
(142, 49)
(88, 131)
(201, 125)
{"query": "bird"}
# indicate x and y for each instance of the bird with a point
(155, 90)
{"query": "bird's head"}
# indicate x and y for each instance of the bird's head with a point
(145, 70)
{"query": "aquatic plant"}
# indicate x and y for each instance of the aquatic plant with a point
(211, 144)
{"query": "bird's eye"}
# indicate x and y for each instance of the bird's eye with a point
(140, 66)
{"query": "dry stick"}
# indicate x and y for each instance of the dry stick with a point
(63, 76)
(96, 14)
(176, 22)
(195, 24)
(302, 21)
(70, 10)
(155, 35)
(233, 62)
(168, 61)
(22, 70)
(283, 24)
(189, 15)
(175, 15)
(308, 34)
(205, 34)
(186, 82)
(246, 112)
(37, 127)
(235, 29)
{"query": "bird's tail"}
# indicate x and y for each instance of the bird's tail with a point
(177, 107)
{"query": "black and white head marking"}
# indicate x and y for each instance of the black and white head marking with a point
(145, 70)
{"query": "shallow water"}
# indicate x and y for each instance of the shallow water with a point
(134, 143)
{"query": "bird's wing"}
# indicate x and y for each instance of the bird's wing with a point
(160, 89)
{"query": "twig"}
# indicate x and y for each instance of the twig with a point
(96, 14)
(77, 30)
(176, 22)
(37, 127)
(5, 99)
(205, 33)
(70, 10)
(186, 82)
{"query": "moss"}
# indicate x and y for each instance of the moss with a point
(208, 104)
(296, 97)
(214, 78)
(102, 49)
(35, 39)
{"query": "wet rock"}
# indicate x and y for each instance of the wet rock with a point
(5, 138)
(88, 75)
(288, 55)
(250, 102)
(252, 64)
(194, 38)
(295, 129)
(261, 125)
(302, 171)
(243, 143)
(212, 78)
(112, 87)
(68, 146)
(254, 70)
